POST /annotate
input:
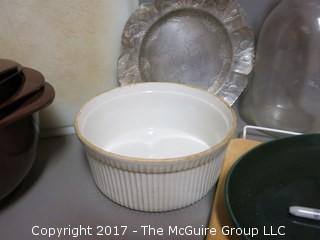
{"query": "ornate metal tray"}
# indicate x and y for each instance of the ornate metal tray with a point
(202, 43)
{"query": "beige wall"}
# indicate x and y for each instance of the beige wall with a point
(74, 43)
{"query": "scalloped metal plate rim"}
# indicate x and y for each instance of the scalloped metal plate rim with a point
(228, 12)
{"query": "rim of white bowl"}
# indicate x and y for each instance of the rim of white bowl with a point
(124, 158)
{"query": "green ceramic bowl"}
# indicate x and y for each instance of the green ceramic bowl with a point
(265, 182)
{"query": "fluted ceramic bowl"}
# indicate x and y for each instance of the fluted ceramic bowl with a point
(155, 146)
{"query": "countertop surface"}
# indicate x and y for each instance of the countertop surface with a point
(60, 192)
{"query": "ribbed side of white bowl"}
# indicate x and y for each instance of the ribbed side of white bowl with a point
(155, 192)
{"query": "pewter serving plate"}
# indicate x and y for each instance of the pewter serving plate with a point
(202, 43)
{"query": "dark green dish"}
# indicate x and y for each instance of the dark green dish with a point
(265, 182)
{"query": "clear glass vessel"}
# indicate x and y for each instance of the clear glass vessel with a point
(285, 90)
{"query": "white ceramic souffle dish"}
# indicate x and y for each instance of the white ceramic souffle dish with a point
(155, 146)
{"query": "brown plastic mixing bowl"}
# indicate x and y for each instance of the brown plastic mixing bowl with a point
(18, 147)
(19, 132)
(32, 81)
(11, 81)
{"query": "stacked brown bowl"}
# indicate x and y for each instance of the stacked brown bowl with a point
(23, 92)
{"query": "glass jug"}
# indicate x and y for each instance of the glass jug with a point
(285, 90)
